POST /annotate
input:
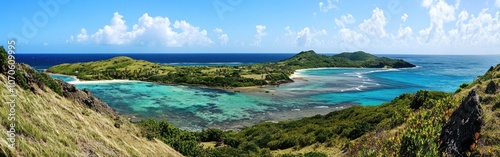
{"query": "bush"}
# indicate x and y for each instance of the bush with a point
(183, 141)
(211, 135)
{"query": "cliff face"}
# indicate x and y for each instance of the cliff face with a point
(463, 127)
(86, 97)
(491, 88)
(53, 118)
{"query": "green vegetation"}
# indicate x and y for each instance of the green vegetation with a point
(47, 124)
(335, 130)
(220, 76)
(3, 56)
(357, 56)
(409, 125)
(462, 86)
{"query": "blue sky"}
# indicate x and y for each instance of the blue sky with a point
(232, 26)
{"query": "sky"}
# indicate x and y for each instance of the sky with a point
(247, 26)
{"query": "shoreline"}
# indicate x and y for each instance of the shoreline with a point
(78, 81)
(296, 75)
(101, 81)
(72, 76)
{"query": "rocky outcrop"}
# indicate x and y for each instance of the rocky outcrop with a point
(86, 98)
(492, 88)
(463, 127)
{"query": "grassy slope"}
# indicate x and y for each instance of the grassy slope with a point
(51, 125)
(419, 134)
(489, 142)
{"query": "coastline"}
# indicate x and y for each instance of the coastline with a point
(101, 81)
(78, 81)
(296, 75)
(72, 76)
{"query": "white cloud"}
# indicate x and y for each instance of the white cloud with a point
(330, 4)
(260, 33)
(440, 13)
(404, 17)
(404, 33)
(344, 20)
(305, 37)
(223, 37)
(497, 3)
(82, 37)
(149, 31)
(427, 3)
(352, 40)
(483, 30)
(375, 25)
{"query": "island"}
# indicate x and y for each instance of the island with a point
(425, 123)
(272, 73)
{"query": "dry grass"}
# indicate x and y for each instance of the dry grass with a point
(318, 147)
(50, 125)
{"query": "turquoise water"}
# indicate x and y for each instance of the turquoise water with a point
(62, 77)
(317, 91)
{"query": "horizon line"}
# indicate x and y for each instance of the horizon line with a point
(83, 53)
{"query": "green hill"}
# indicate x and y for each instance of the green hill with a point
(357, 56)
(219, 76)
(310, 59)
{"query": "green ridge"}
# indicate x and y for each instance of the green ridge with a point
(221, 76)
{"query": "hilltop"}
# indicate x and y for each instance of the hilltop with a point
(273, 73)
(54, 118)
(359, 59)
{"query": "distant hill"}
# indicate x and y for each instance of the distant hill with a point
(356, 56)
(273, 73)
(310, 59)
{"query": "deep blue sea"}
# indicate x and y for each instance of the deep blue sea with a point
(315, 91)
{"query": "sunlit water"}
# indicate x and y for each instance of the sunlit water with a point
(314, 91)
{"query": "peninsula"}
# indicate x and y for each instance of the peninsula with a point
(272, 73)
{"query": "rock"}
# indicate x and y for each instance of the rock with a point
(69, 87)
(459, 133)
(491, 68)
(85, 97)
(492, 88)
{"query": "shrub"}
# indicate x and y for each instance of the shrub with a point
(464, 85)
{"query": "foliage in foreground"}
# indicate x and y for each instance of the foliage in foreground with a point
(335, 129)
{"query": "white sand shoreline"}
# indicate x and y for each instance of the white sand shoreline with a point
(74, 77)
(78, 81)
(297, 73)
(101, 81)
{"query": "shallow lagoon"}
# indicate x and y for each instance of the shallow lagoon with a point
(315, 91)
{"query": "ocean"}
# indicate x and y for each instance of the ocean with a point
(315, 91)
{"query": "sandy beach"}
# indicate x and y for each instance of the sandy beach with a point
(74, 77)
(100, 81)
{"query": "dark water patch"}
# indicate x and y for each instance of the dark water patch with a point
(212, 95)
(209, 90)
(209, 109)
